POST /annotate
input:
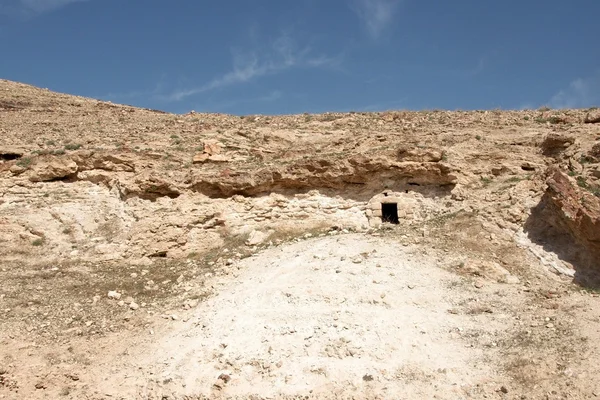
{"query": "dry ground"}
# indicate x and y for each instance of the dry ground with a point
(337, 316)
(455, 302)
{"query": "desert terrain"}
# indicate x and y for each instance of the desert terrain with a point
(386, 255)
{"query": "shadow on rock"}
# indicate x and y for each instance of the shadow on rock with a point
(566, 222)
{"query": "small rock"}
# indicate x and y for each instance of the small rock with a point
(225, 378)
(174, 317)
(367, 378)
(478, 285)
(114, 295)
(411, 286)
(503, 389)
(71, 376)
(133, 306)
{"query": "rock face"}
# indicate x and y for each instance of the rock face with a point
(323, 174)
(593, 116)
(51, 168)
(555, 143)
(567, 210)
(157, 184)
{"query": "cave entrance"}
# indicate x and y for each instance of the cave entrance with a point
(10, 156)
(389, 213)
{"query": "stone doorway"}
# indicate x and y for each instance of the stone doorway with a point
(389, 213)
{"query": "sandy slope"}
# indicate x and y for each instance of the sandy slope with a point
(339, 316)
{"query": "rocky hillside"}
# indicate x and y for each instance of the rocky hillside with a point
(87, 179)
(117, 221)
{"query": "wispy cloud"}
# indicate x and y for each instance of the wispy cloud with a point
(30, 8)
(282, 55)
(227, 105)
(375, 15)
(582, 92)
(40, 6)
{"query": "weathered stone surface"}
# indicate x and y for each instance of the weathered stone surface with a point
(89, 160)
(212, 152)
(420, 155)
(593, 116)
(256, 237)
(200, 158)
(573, 210)
(8, 153)
(322, 174)
(555, 143)
(49, 168)
(594, 153)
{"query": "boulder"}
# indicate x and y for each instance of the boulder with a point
(256, 237)
(556, 143)
(570, 210)
(51, 168)
(593, 116)
(594, 153)
(212, 152)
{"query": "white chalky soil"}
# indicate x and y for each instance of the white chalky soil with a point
(329, 317)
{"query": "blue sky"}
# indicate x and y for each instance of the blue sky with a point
(294, 56)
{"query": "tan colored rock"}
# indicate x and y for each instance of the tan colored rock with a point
(594, 153)
(555, 143)
(116, 162)
(593, 116)
(200, 158)
(9, 153)
(219, 158)
(420, 155)
(212, 148)
(569, 209)
(256, 238)
(49, 168)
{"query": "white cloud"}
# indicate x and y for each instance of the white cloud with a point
(40, 6)
(375, 15)
(582, 92)
(281, 56)
(30, 8)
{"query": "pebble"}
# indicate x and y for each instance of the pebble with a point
(114, 295)
(133, 306)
